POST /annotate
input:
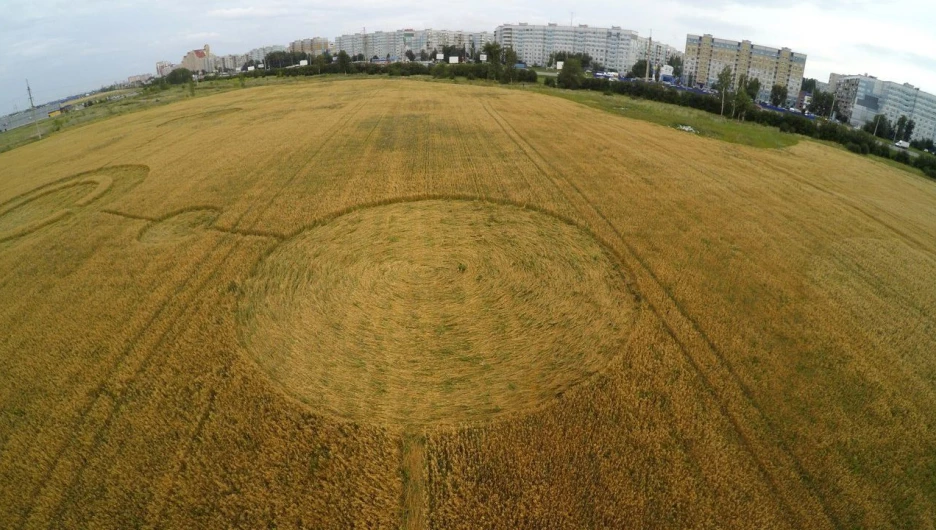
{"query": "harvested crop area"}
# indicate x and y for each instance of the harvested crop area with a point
(394, 303)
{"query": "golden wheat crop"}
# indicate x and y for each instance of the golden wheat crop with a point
(391, 303)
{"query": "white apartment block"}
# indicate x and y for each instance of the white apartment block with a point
(614, 48)
(230, 62)
(862, 97)
(163, 68)
(658, 52)
(258, 54)
(397, 43)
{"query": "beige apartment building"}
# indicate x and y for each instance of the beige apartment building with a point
(199, 60)
(314, 46)
(707, 56)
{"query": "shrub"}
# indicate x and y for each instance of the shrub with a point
(853, 147)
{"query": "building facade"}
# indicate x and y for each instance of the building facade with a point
(862, 97)
(658, 53)
(395, 44)
(139, 79)
(163, 68)
(259, 54)
(199, 60)
(706, 56)
(614, 48)
(315, 46)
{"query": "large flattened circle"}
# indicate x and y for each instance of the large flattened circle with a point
(435, 312)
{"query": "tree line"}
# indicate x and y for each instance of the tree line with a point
(734, 100)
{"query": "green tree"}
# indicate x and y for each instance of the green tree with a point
(901, 128)
(572, 74)
(410, 55)
(908, 131)
(179, 76)
(741, 104)
(808, 85)
(344, 62)
(319, 64)
(822, 103)
(723, 85)
(584, 58)
(677, 63)
(639, 70)
(493, 51)
(778, 95)
(752, 87)
(423, 55)
(880, 126)
(510, 57)
(743, 100)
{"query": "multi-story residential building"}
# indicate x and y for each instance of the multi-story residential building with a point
(397, 43)
(163, 68)
(862, 97)
(707, 56)
(315, 46)
(199, 60)
(657, 52)
(613, 47)
(258, 54)
(231, 62)
(139, 79)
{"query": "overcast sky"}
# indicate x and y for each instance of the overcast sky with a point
(69, 46)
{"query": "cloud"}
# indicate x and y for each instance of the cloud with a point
(32, 48)
(200, 36)
(248, 12)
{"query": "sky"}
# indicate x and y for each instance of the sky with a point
(68, 47)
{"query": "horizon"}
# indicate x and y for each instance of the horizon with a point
(30, 38)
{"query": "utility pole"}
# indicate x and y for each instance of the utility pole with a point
(31, 104)
(876, 122)
(649, 47)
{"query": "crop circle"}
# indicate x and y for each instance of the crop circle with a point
(435, 312)
(49, 205)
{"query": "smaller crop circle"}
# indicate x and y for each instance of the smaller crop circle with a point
(435, 312)
(49, 205)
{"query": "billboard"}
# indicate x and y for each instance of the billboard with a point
(453, 60)
(483, 57)
(304, 62)
(440, 57)
(559, 65)
(250, 68)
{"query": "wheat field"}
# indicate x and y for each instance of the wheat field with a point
(404, 304)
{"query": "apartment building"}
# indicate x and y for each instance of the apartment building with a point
(230, 62)
(199, 60)
(658, 52)
(315, 46)
(397, 43)
(706, 56)
(258, 54)
(613, 47)
(163, 68)
(862, 97)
